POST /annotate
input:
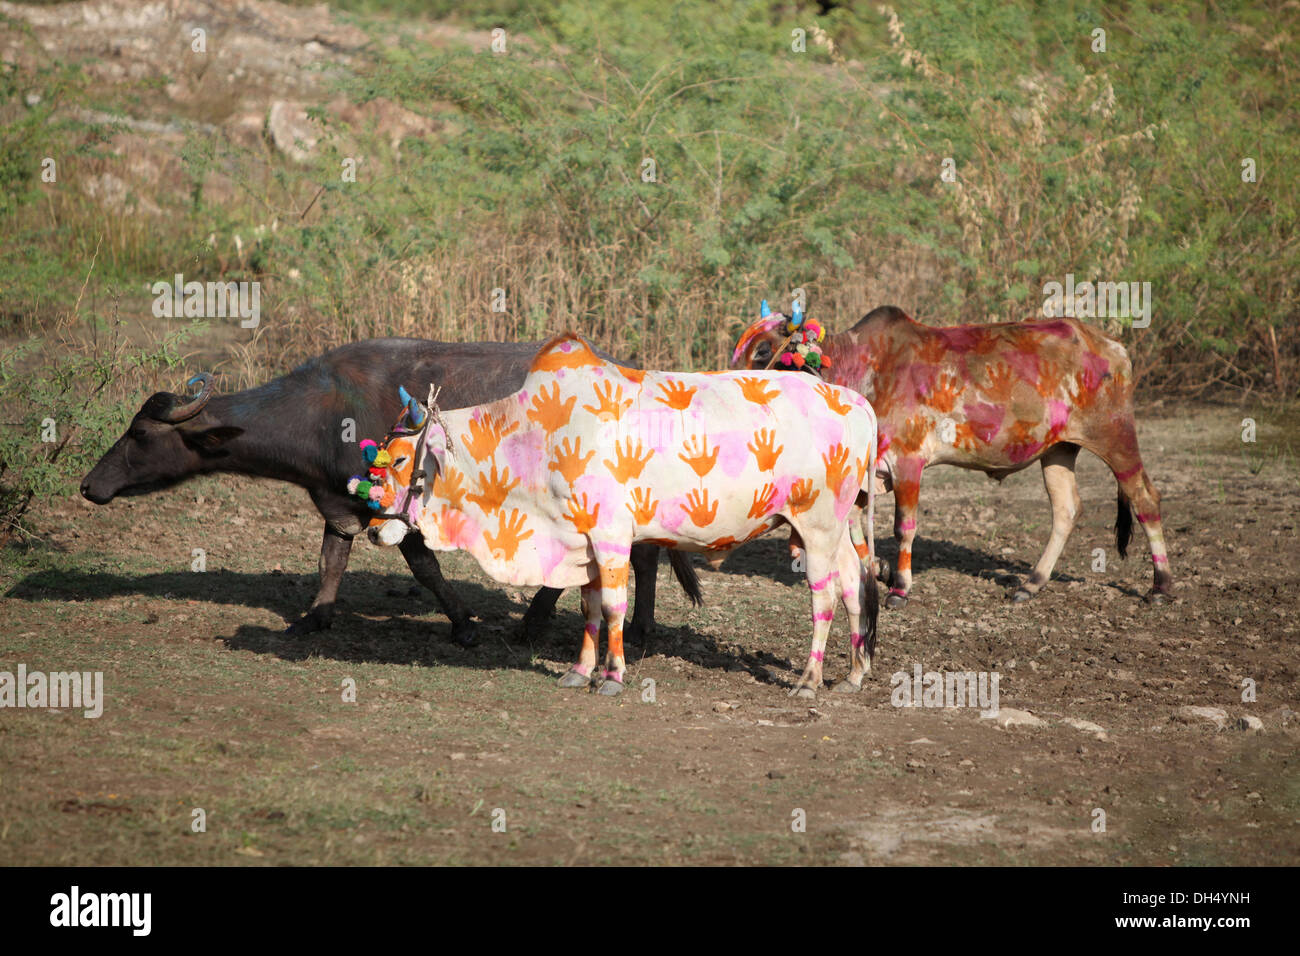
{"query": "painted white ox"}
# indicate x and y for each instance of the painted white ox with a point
(554, 484)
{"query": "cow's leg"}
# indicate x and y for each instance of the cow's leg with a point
(334, 551)
(1063, 494)
(849, 565)
(1136, 489)
(1118, 448)
(645, 566)
(907, 496)
(540, 610)
(823, 582)
(424, 566)
(579, 675)
(613, 608)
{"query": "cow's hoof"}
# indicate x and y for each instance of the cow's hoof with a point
(846, 686)
(1020, 596)
(572, 678)
(610, 688)
(1156, 597)
(895, 601)
(309, 623)
(465, 633)
(807, 693)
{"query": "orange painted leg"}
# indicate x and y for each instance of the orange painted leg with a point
(580, 674)
(907, 495)
(613, 607)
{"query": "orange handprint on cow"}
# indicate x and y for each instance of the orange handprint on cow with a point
(645, 506)
(493, 489)
(676, 395)
(913, 432)
(755, 390)
(583, 519)
(763, 500)
(946, 391)
(932, 350)
(965, 437)
(548, 411)
(697, 507)
(569, 461)
(1049, 378)
(802, 496)
(832, 397)
(630, 461)
(836, 461)
(1002, 379)
(449, 485)
(697, 455)
(764, 453)
(510, 532)
(612, 405)
(485, 435)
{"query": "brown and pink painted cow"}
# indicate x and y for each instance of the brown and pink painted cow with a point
(554, 485)
(993, 398)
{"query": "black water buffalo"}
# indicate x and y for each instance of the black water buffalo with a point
(293, 429)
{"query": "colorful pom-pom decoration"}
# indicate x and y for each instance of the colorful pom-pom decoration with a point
(370, 454)
(352, 484)
(373, 505)
(383, 459)
(368, 443)
(376, 492)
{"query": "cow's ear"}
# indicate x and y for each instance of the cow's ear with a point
(210, 438)
(436, 461)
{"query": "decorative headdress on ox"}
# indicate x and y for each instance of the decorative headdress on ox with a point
(803, 337)
(370, 486)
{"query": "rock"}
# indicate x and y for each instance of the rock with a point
(1010, 717)
(1087, 726)
(722, 706)
(1194, 715)
(292, 132)
(1251, 724)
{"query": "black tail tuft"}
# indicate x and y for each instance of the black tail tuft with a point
(872, 606)
(1123, 524)
(686, 576)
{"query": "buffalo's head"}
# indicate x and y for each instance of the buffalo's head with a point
(169, 440)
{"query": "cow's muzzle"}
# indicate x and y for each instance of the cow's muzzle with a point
(389, 533)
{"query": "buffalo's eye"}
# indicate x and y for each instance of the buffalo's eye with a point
(399, 462)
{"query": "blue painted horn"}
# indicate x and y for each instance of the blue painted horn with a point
(763, 310)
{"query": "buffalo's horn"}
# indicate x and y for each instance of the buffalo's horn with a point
(188, 409)
(763, 310)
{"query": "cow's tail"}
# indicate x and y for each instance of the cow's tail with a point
(870, 598)
(686, 576)
(1123, 524)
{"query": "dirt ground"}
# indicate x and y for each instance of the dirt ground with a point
(474, 756)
